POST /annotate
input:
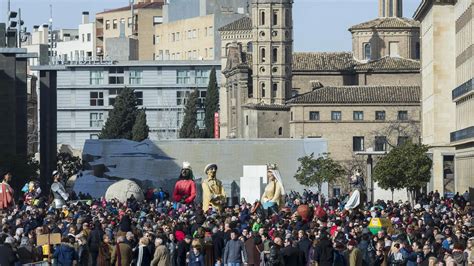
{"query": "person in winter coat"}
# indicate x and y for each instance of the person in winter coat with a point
(304, 245)
(275, 258)
(83, 252)
(183, 248)
(172, 246)
(142, 252)
(65, 254)
(196, 258)
(161, 256)
(94, 241)
(254, 248)
(26, 253)
(323, 253)
(105, 252)
(292, 256)
(122, 254)
(381, 258)
(234, 250)
(7, 255)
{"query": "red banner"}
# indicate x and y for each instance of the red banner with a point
(216, 125)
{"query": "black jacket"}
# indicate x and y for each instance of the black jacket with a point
(7, 256)
(218, 243)
(183, 248)
(292, 256)
(95, 238)
(323, 253)
(304, 245)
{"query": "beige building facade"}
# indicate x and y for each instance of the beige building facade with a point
(140, 26)
(447, 72)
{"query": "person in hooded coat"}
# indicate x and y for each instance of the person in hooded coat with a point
(65, 254)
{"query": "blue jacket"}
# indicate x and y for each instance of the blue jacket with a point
(196, 260)
(65, 254)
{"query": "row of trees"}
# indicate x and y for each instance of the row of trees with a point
(406, 166)
(126, 121)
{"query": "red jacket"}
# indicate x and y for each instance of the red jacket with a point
(184, 189)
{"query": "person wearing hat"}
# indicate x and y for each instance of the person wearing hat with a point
(213, 194)
(59, 193)
(185, 189)
(6, 191)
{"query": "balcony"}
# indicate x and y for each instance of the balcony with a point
(99, 32)
(463, 90)
(462, 134)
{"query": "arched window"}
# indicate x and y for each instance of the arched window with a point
(262, 17)
(275, 55)
(280, 131)
(275, 17)
(367, 51)
(262, 55)
(263, 89)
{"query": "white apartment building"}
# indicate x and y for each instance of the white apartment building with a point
(86, 93)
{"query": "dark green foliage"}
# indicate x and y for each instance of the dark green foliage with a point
(189, 128)
(407, 166)
(23, 169)
(314, 172)
(211, 104)
(68, 165)
(140, 129)
(122, 117)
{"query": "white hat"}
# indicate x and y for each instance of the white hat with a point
(55, 172)
(209, 166)
(187, 165)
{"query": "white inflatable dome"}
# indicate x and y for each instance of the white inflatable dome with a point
(124, 189)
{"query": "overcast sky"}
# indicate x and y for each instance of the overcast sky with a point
(319, 25)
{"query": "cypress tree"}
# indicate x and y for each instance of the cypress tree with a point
(189, 128)
(140, 128)
(122, 117)
(211, 104)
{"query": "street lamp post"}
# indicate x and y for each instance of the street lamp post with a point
(370, 182)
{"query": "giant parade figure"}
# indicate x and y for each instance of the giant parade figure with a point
(273, 196)
(213, 194)
(358, 194)
(59, 192)
(6, 192)
(185, 189)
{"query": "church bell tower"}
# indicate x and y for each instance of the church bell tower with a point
(272, 28)
(390, 8)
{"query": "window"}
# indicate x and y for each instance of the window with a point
(177, 36)
(358, 115)
(114, 24)
(107, 24)
(139, 95)
(280, 131)
(275, 17)
(97, 78)
(122, 22)
(96, 120)
(249, 47)
(262, 55)
(129, 22)
(367, 51)
(88, 37)
(263, 89)
(417, 51)
(390, 8)
(157, 39)
(200, 118)
(116, 75)
(275, 55)
(357, 143)
(274, 90)
(246, 120)
(336, 115)
(135, 77)
(393, 49)
(380, 115)
(291, 116)
(184, 77)
(380, 143)
(262, 17)
(96, 98)
(211, 31)
(314, 116)
(173, 37)
(157, 20)
(402, 140)
(402, 115)
(202, 76)
(112, 95)
(83, 38)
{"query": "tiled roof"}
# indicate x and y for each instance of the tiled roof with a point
(389, 63)
(244, 23)
(136, 6)
(264, 106)
(387, 23)
(360, 95)
(339, 61)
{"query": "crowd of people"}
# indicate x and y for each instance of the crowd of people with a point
(302, 231)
